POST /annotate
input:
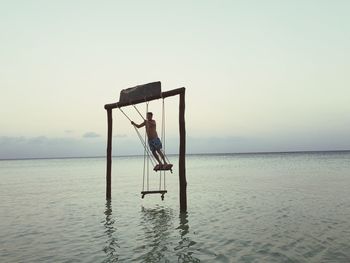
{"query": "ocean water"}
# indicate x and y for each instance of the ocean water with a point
(285, 207)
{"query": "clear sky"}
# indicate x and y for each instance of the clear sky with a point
(259, 75)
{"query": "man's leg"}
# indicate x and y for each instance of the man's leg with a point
(161, 155)
(156, 156)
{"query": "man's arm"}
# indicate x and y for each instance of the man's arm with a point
(138, 125)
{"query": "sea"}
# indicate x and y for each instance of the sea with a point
(259, 207)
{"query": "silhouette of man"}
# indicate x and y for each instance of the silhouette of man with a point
(154, 142)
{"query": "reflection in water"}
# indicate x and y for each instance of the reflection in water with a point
(157, 225)
(183, 250)
(160, 237)
(111, 248)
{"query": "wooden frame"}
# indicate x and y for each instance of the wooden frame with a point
(182, 133)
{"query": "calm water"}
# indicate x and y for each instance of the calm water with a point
(241, 208)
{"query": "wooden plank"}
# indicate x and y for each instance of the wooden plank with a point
(139, 92)
(164, 167)
(154, 192)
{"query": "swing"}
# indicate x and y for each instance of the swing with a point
(147, 156)
(163, 167)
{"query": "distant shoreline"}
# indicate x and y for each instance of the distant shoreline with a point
(188, 154)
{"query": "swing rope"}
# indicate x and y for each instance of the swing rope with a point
(139, 111)
(144, 160)
(163, 141)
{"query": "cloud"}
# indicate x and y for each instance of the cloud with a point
(38, 140)
(68, 131)
(46, 147)
(91, 135)
(6, 140)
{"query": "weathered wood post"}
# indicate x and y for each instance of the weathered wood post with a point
(109, 155)
(182, 153)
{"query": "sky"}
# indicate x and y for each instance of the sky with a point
(260, 76)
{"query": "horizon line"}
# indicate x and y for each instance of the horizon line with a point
(173, 154)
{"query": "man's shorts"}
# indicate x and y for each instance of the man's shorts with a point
(155, 144)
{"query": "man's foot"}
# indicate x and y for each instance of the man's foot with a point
(168, 165)
(158, 167)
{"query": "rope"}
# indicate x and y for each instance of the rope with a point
(163, 141)
(153, 161)
(144, 162)
(163, 129)
(145, 151)
(140, 112)
(148, 172)
(125, 114)
(162, 136)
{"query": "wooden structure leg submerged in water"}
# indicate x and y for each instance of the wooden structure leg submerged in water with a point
(182, 148)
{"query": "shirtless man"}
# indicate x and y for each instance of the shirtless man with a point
(153, 140)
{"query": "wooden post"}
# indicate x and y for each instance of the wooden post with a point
(182, 153)
(109, 155)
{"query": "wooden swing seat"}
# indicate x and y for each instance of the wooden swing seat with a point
(162, 192)
(163, 167)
